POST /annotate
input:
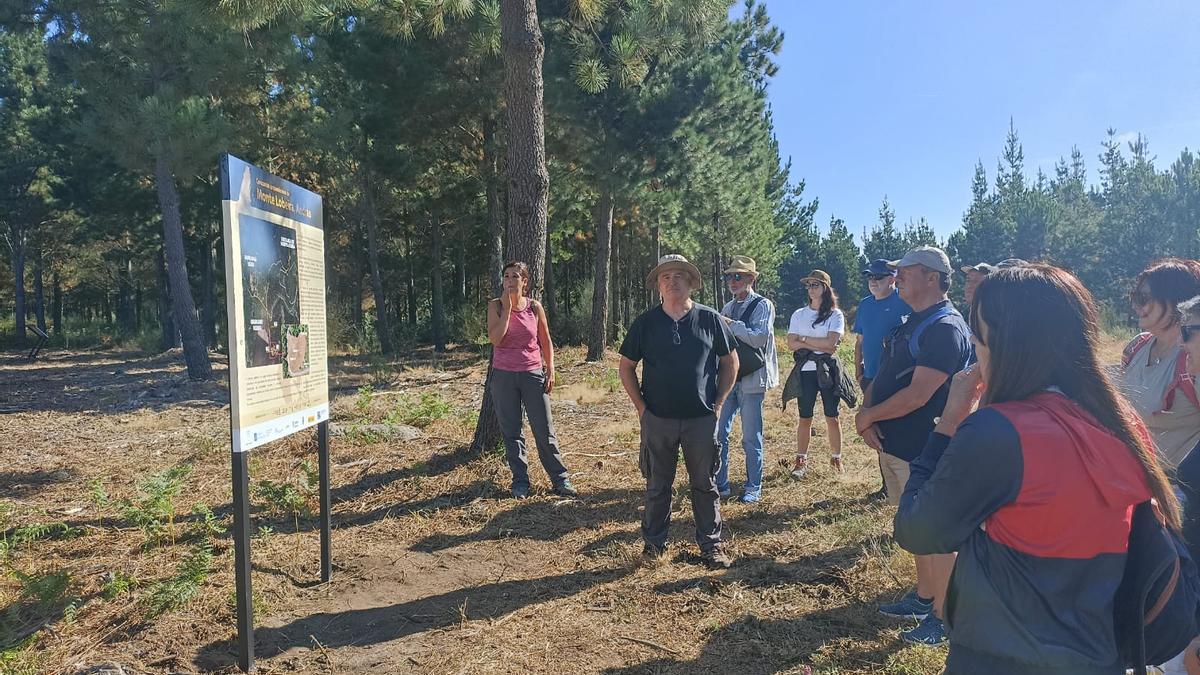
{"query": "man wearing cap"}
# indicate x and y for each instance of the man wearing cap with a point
(975, 274)
(750, 318)
(906, 397)
(877, 314)
(689, 364)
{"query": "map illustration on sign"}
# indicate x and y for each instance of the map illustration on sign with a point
(271, 289)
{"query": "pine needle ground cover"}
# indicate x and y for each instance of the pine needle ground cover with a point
(114, 506)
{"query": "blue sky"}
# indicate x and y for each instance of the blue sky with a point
(902, 97)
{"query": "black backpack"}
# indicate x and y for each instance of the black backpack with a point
(1155, 612)
(750, 358)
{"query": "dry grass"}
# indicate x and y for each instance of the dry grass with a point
(436, 569)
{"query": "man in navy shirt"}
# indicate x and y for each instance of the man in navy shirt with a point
(905, 398)
(689, 365)
(877, 315)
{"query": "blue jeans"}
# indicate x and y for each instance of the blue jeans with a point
(751, 407)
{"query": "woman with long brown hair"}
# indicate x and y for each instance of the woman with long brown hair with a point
(813, 335)
(1034, 490)
(523, 374)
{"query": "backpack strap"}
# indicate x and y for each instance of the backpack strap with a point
(914, 340)
(1182, 381)
(749, 311)
(1135, 345)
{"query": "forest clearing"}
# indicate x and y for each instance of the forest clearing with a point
(436, 569)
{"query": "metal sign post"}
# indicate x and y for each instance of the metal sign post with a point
(241, 560)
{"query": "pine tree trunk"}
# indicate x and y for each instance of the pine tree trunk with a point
(39, 292)
(382, 326)
(528, 181)
(56, 303)
(495, 213)
(18, 267)
(550, 301)
(656, 246)
(528, 178)
(170, 338)
(439, 308)
(614, 292)
(195, 353)
(356, 301)
(410, 282)
(598, 337)
(208, 292)
(460, 266)
(125, 307)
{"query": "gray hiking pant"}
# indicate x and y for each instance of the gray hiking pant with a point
(659, 456)
(509, 390)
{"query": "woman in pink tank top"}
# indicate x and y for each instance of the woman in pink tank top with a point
(523, 375)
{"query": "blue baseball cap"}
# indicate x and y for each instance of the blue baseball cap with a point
(879, 267)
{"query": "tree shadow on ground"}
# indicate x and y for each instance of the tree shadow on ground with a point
(545, 519)
(754, 646)
(828, 568)
(107, 383)
(362, 627)
(21, 484)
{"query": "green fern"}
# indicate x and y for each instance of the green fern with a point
(120, 584)
(206, 524)
(45, 589)
(173, 593)
(153, 510)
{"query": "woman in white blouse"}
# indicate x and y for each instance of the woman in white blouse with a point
(817, 328)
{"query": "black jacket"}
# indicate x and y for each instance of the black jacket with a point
(830, 375)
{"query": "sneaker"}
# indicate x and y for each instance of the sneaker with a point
(931, 631)
(909, 607)
(716, 559)
(652, 552)
(520, 491)
(800, 468)
(879, 495)
(565, 489)
(725, 494)
(835, 463)
(747, 498)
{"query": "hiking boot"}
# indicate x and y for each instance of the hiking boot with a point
(520, 491)
(652, 552)
(565, 489)
(909, 607)
(931, 631)
(800, 468)
(716, 558)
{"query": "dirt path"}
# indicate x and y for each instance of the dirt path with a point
(437, 570)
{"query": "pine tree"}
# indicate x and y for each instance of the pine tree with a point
(884, 240)
(843, 262)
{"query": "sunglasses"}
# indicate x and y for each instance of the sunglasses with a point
(878, 277)
(736, 276)
(1186, 331)
(675, 337)
(814, 284)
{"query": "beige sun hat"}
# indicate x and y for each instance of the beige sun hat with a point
(677, 262)
(744, 264)
(818, 275)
